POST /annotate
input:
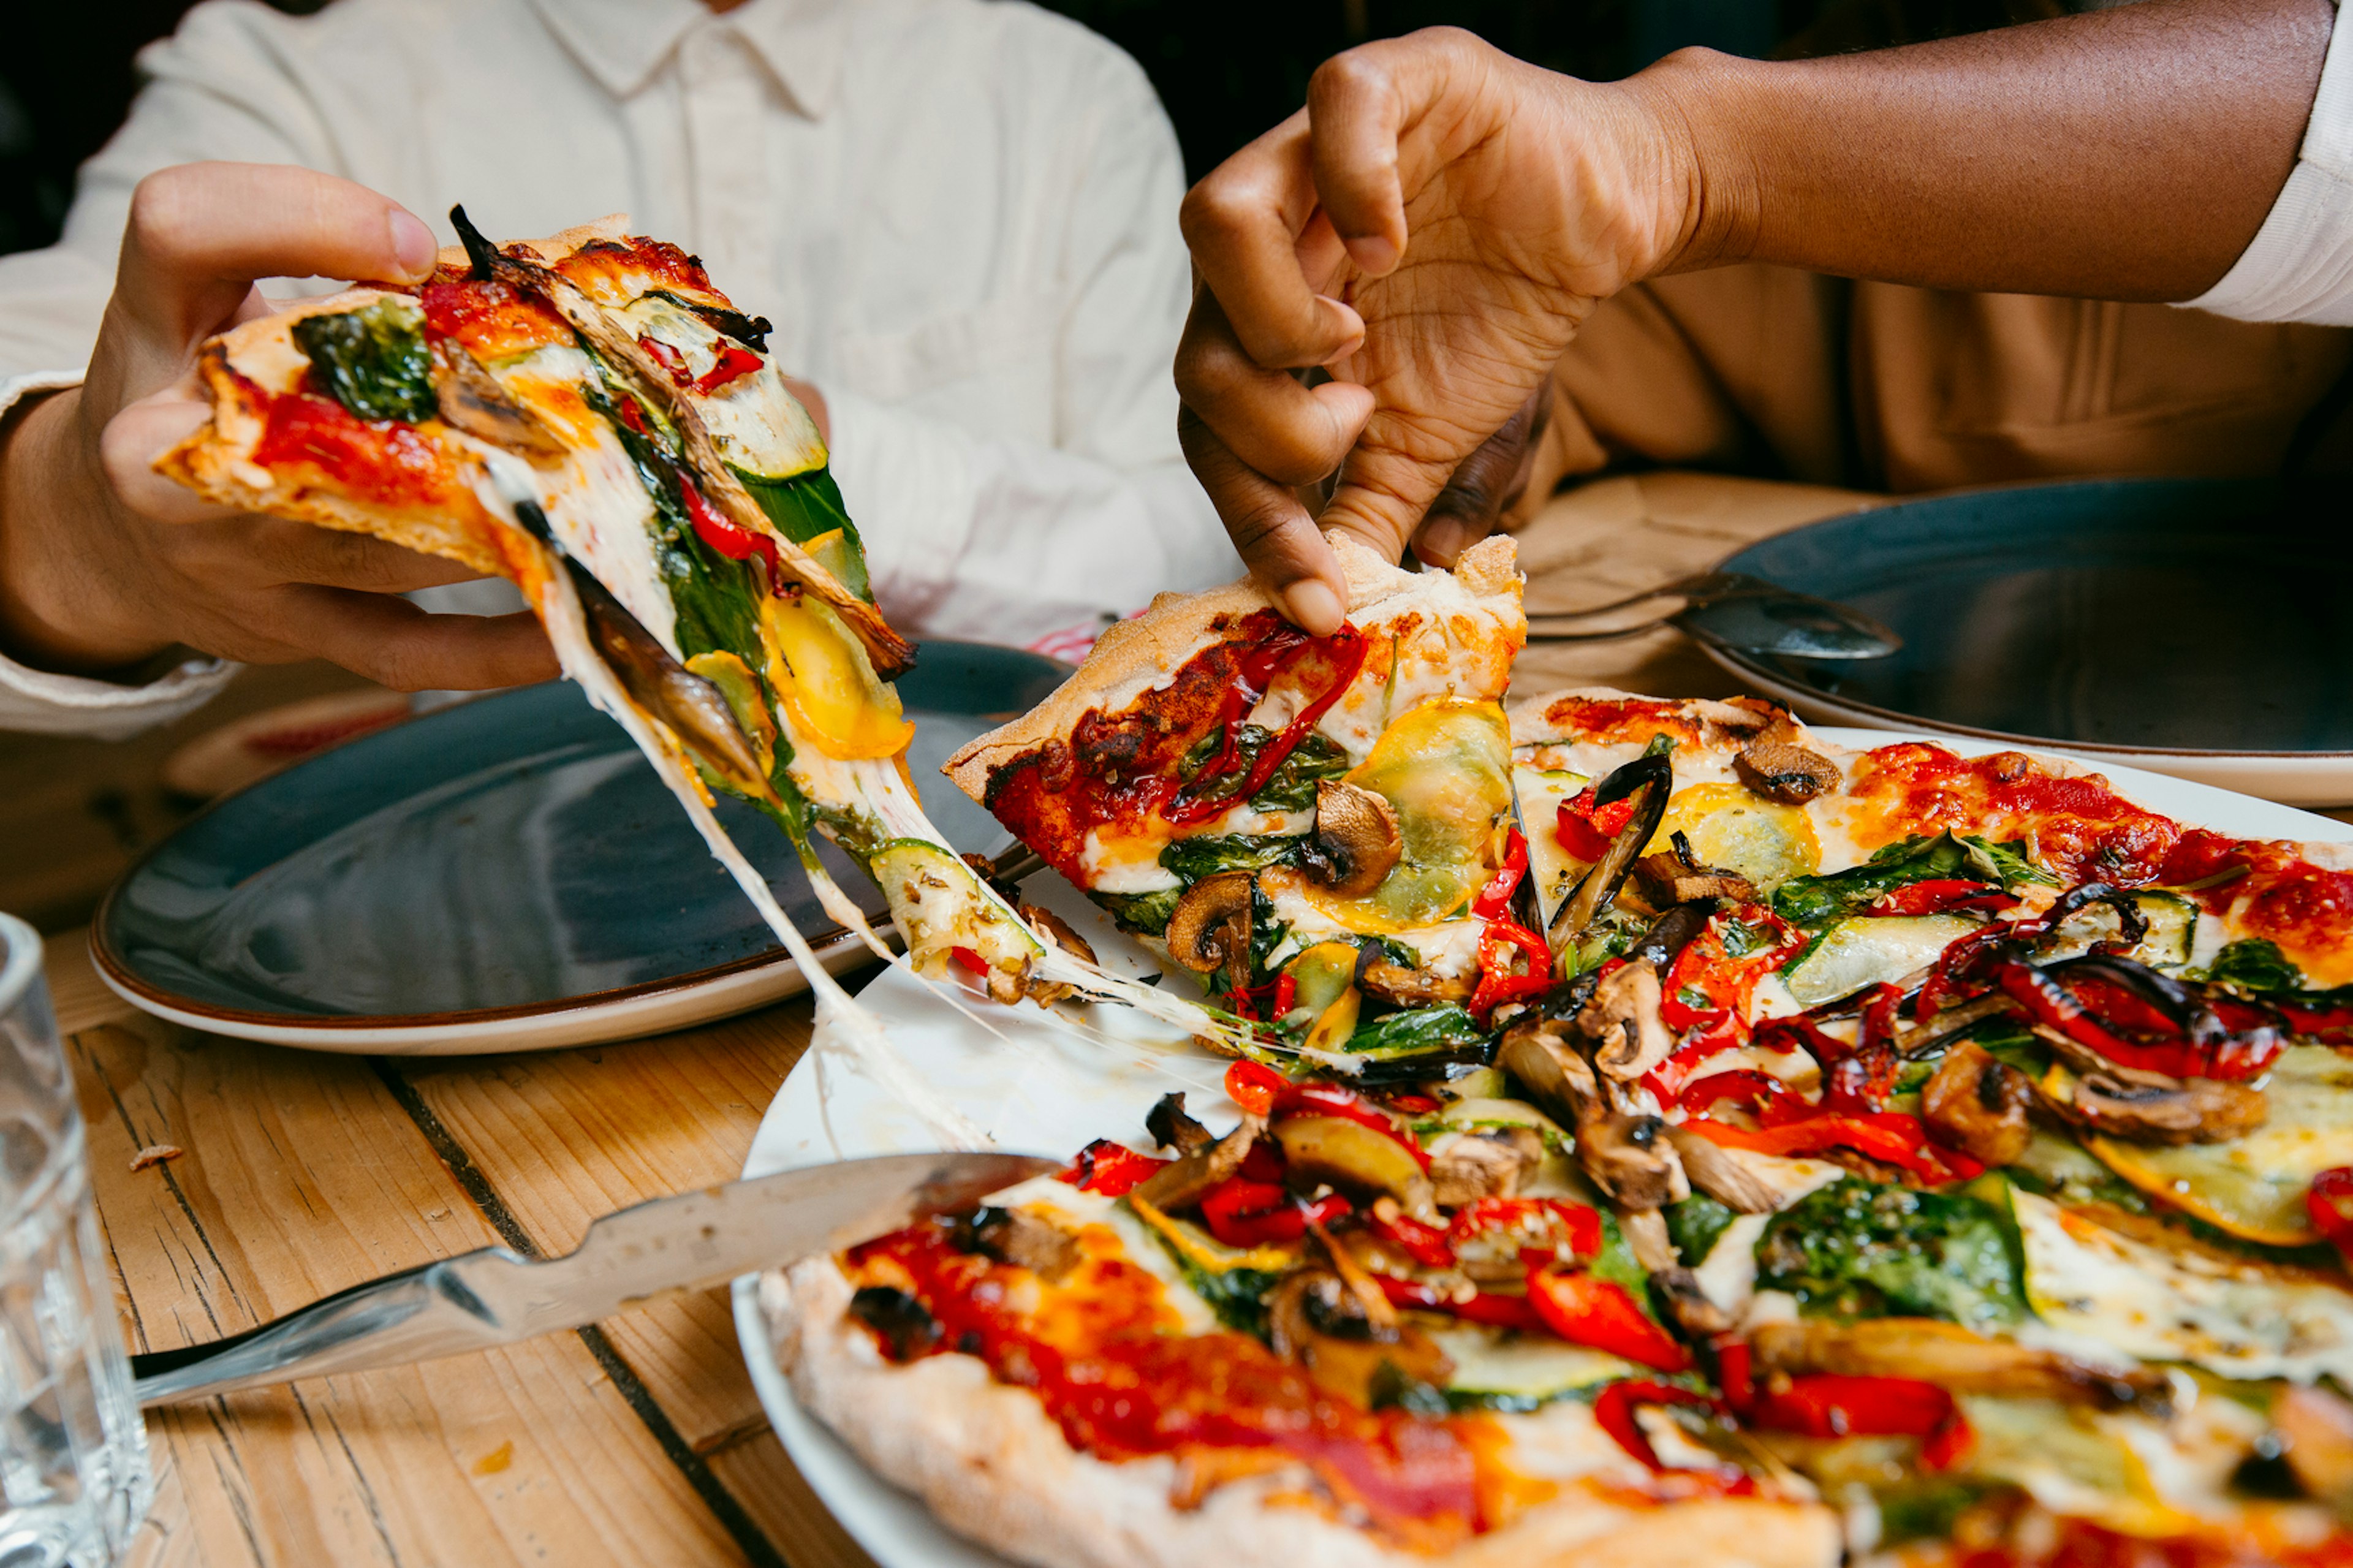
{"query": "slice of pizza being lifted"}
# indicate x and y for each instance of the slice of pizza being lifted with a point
(1321, 825)
(589, 416)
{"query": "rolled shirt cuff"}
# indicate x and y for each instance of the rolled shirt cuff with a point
(42, 702)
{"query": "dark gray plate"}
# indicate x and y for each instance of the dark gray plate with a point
(504, 873)
(2184, 617)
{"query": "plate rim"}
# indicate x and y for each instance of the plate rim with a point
(864, 1493)
(1741, 665)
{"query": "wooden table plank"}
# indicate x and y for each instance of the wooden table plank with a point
(300, 1175)
(566, 1136)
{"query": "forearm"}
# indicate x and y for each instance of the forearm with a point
(2123, 154)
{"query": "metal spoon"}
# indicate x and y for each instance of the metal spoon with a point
(1746, 615)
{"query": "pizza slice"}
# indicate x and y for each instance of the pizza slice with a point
(1396, 1326)
(1320, 826)
(589, 416)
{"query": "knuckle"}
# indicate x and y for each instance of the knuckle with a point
(160, 210)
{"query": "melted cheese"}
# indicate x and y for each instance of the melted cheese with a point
(754, 420)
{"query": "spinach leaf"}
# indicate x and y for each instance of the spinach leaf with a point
(373, 360)
(1238, 1296)
(1813, 901)
(1291, 785)
(808, 506)
(1615, 1263)
(1694, 1226)
(1146, 912)
(2009, 864)
(1927, 1509)
(1856, 1250)
(1420, 1033)
(2254, 964)
(1193, 859)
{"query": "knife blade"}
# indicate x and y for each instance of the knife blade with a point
(496, 1296)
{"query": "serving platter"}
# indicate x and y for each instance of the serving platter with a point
(2196, 627)
(1039, 1088)
(504, 874)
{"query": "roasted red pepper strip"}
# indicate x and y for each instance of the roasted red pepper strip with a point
(1585, 830)
(2060, 1007)
(1579, 1224)
(1760, 1094)
(1498, 983)
(1495, 1310)
(1888, 1136)
(670, 359)
(1253, 1087)
(970, 959)
(1287, 993)
(1346, 647)
(1706, 994)
(2330, 1204)
(1833, 1405)
(734, 543)
(734, 363)
(1425, 1244)
(1613, 1412)
(1112, 1169)
(1243, 1213)
(1940, 895)
(1585, 1311)
(1859, 1080)
(1496, 895)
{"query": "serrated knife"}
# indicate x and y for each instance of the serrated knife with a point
(496, 1296)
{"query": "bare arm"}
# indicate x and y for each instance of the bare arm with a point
(1471, 210)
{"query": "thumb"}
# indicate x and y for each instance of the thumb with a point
(1381, 497)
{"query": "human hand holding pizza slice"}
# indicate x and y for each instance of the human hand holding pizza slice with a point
(103, 561)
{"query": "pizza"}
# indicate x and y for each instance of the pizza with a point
(1317, 825)
(588, 415)
(1904, 1157)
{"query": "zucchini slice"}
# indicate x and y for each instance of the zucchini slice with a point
(1870, 949)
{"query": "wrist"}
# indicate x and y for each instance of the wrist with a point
(1700, 109)
(55, 613)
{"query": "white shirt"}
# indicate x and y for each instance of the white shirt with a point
(961, 217)
(2299, 266)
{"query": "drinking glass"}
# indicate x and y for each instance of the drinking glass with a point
(74, 1482)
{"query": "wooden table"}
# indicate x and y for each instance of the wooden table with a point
(638, 1441)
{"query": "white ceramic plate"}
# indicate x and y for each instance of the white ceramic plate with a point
(1039, 1090)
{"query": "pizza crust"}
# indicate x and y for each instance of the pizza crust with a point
(1133, 656)
(984, 1458)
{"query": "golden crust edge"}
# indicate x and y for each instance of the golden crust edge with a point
(1176, 627)
(1017, 1497)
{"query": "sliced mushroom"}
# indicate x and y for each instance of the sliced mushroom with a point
(1483, 1165)
(1172, 1129)
(1947, 1020)
(1394, 982)
(1646, 1237)
(1776, 767)
(1688, 1304)
(1209, 929)
(1023, 1240)
(1181, 1184)
(472, 399)
(1625, 1153)
(1054, 932)
(1678, 877)
(2193, 1110)
(1978, 1105)
(1057, 930)
(1622, 1020)
(1722, 1174)
(1951, 1357)
(1355, 841)
(1315, 1320)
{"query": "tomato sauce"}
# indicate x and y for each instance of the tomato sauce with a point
(2079, 827)
(489, 318)
(382, 461)
(615, 272)
(2306, 908)
(2078, 1544)
(1104, 1360)
(1608, 721)
(1119, 770)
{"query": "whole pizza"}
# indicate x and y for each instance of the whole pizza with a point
(1657, 1135)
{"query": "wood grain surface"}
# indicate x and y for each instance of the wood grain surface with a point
(638, 1441)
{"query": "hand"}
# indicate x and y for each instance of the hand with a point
(1432, 228)
(103, 561)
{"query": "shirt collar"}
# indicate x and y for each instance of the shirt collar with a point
(623, 42)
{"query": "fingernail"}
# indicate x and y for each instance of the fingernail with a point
(1313, 605)
(413, 244)
(1442, 539)
(1373, 254)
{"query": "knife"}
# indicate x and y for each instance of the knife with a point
(495, 1296)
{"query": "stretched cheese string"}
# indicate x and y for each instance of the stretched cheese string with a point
(843, 1026)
